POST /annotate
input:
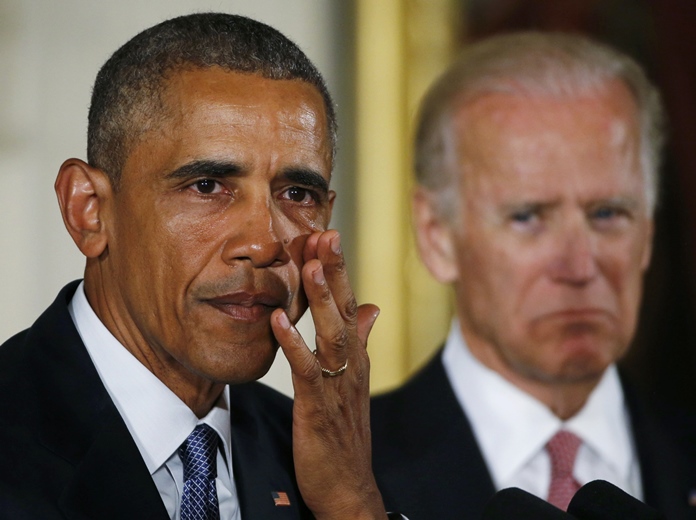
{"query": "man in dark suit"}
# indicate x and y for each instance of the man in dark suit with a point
(202, 212)
(536, 158)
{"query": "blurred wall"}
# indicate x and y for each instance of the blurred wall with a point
(49, 55)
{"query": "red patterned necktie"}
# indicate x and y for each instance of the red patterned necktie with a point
(563, 448)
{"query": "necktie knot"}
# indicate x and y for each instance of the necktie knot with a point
(198, 454)
(563, 450)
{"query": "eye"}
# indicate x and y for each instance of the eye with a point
(206, 186)
(610, 217)
(523, 216)
(526, 218)
(300, 195)
(605, 213)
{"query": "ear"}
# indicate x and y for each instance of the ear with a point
(434, 237)
(82, 191)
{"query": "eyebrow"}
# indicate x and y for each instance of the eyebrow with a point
(222, 169)
(307, 177)
(627, 201)
(206, 168)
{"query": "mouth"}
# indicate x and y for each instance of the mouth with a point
(246, 306)
(578, 315)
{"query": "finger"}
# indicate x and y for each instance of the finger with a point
(330, 254)
(303, 364)
(332, 335)
(367, 315)
(310, 247)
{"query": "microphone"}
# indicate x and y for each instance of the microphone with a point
(515, 504)
(600, 500)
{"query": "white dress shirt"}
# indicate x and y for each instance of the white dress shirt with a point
(512, 427)
(157, 419)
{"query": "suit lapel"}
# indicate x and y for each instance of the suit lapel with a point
(104, 475)
(262, 457)
(435, 438)
(109, 487)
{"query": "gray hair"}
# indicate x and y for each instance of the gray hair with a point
(531, 63)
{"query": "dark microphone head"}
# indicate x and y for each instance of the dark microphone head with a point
(515, 504)
(600, 500)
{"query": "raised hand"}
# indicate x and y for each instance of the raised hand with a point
(331, 429)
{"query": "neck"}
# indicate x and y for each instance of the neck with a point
(564, 400)
(563, 395)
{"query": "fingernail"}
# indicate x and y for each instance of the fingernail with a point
(336, 244)
(283, 320)
(318, 276)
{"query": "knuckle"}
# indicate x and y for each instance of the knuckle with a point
(325, 295)
(340, 338)
(351, 310)
(340, 265)
(335, 341)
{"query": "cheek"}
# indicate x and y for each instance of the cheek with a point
(622, 266)
(173, 252)
(504, 268)
(305, 221)
(488, 277)
(190, 242)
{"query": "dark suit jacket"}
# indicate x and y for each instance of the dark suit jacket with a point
(429, 466)
(66, 453)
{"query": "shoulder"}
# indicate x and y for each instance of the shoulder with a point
(34, 352)
(422, 411)
(427, 389)
(258, 408)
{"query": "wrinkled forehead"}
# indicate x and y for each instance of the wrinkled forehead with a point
(164, 97)
(528, 140)
(516, 120)
(194, 101)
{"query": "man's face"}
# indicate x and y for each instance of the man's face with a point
(207, 230)
(553, 235)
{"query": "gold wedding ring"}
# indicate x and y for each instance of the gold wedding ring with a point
(331, 373)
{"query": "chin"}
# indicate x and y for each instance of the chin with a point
(581, 371)
(577, 359)
(238, 365)
(584, 363)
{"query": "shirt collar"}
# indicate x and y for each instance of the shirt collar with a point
(511, 426)
(157, 419)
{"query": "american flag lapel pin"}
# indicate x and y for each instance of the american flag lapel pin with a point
(280, 498)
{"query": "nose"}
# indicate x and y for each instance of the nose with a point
(575, 258)
(257, 235)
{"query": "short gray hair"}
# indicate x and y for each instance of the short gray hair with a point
(531, 63)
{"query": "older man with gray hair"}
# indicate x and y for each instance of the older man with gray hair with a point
(536, 159)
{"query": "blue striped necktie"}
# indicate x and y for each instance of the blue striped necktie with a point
(198, 453)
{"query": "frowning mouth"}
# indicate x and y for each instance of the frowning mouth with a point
(577, 315)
